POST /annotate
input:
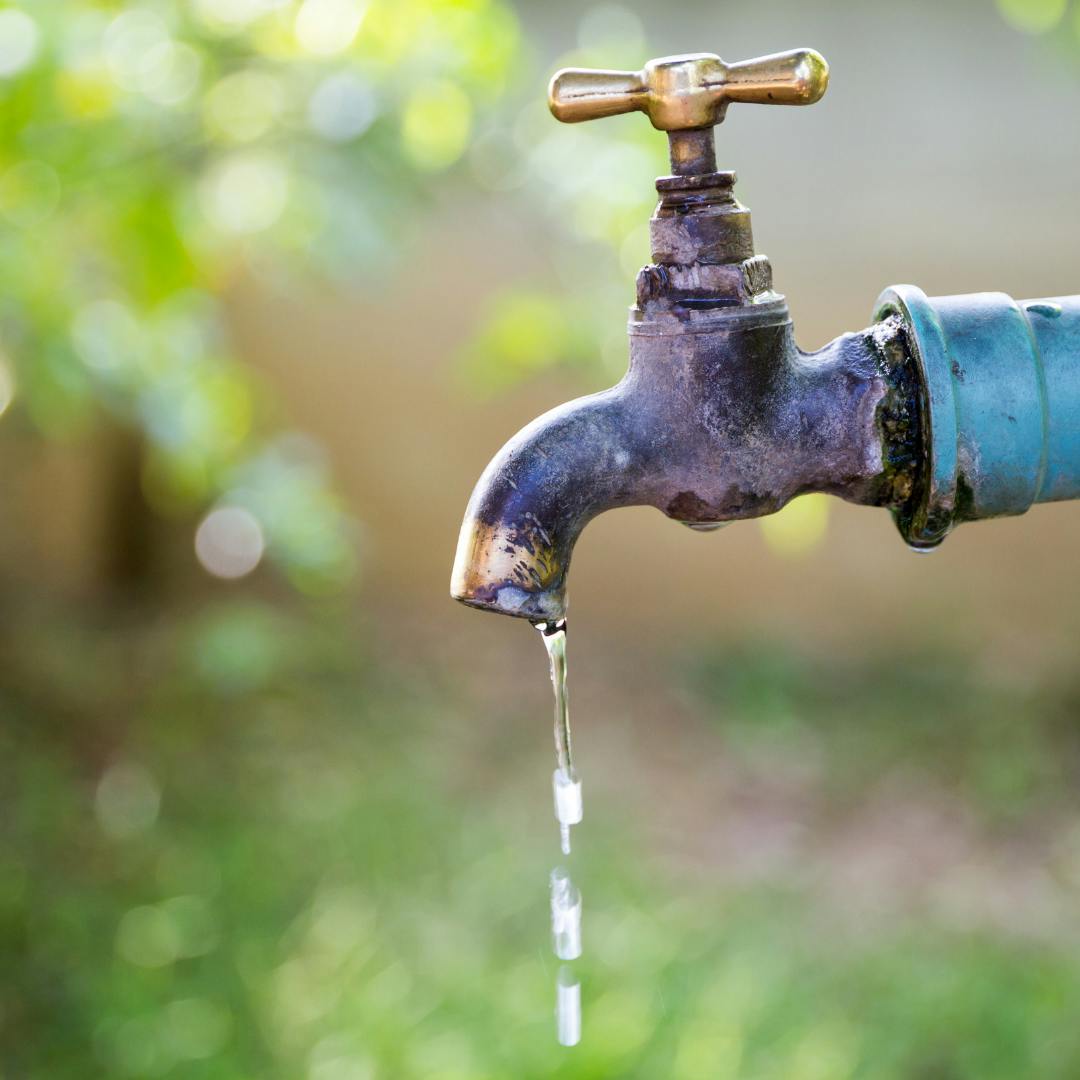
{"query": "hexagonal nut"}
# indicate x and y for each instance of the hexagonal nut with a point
(652, 283)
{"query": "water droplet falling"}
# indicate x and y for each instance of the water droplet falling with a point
(566, 783)
(566, 788)
(565, 896)
(568, 1008)
(565, 916)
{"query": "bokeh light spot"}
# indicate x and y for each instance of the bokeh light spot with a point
(130, 40)
(233, 14)
(238, 648)
(245, 193)
(342, 107)
(526, 332)
(229, 542)
(86, 89)
(107, 336)
(18, 41)
(170, 72)
(127, 800)
(435, 125)
(147, 938)
(798, 528)
(243, 106)
(1033, 16)
(327, 27)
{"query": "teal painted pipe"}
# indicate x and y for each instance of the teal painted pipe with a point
(999, 408)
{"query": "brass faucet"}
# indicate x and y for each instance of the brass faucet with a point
(943, 410)
(687, 96)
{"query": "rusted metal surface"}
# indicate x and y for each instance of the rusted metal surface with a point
(699, 222)
(719, 417)
(944, 410)
(999, 383)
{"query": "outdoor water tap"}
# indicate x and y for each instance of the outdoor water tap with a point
(944, 410)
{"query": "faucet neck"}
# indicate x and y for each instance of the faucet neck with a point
(702, 248)
(699, 220)
(692, 151)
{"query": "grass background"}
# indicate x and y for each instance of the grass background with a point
(296, 864)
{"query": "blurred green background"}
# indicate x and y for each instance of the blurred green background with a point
(279, 276)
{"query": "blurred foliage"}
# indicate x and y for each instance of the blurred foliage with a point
(595, 184)
(1008, 749)
(151, 153)
(1033, 16)
(352, 884)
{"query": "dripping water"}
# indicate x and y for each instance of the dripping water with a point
(705, 526)
(565, 896)
(566, 785)
(554, 637)
(565, 916)
(567, 1007)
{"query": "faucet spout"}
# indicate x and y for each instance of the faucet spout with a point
(536, 496)
(719, 417)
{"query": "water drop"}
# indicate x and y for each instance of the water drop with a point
(705, 526)
(566, 787)
(567, 1008)
(566, 792)
(566, 783)
(565, 916)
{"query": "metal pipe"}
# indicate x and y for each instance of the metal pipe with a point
(999, 404)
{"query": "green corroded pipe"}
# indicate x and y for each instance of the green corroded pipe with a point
(999, 405)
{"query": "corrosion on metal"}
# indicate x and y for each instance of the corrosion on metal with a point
(944, 410)
(720, 415)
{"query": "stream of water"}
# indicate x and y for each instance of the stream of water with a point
(565, 896)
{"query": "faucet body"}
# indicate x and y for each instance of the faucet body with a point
(943, 410)
(720, 415)
(718, 418)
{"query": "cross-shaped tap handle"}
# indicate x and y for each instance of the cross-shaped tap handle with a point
(689, 94)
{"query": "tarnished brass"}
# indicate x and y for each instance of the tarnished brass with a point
(678, 93)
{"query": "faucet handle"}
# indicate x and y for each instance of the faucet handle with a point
(689, 93)
(682, 92)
